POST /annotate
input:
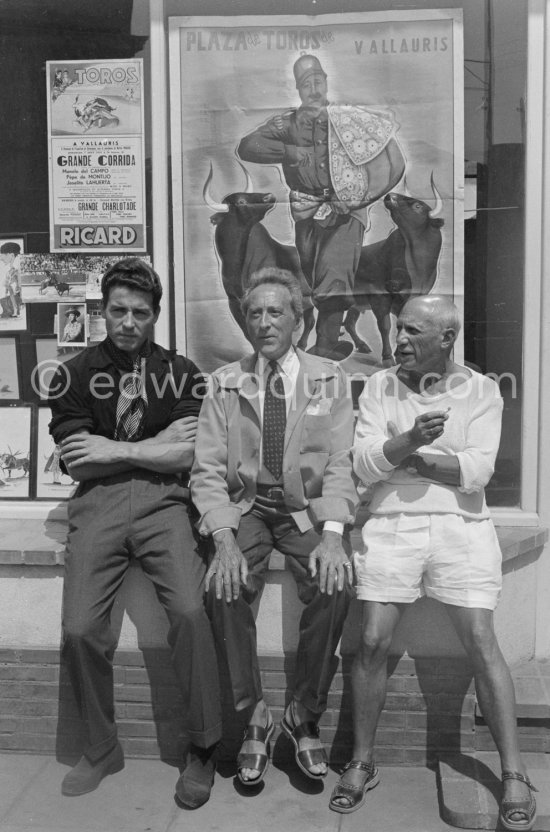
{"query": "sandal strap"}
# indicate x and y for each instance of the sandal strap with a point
(368, 768)
(312, 757)
(257, 732)
(517, 775)
(310, 730)
(255, 761)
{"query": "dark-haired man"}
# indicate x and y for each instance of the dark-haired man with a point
(125, 414)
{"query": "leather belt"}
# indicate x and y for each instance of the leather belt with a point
(275, 493)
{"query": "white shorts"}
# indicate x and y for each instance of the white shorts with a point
(444, 556)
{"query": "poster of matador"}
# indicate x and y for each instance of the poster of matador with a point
(328, 146)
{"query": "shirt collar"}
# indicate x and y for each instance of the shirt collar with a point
(287, 363)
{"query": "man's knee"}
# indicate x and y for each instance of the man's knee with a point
(83, 630)
(375, 644)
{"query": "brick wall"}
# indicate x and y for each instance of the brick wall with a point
(429, 707)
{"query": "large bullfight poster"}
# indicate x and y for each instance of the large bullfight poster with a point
(331, 146)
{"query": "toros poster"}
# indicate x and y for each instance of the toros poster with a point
(331, 146)
(96, 155)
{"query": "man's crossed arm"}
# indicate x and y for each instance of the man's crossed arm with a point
(88, 456)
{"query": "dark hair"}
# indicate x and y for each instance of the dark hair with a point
(10, 248)
(277, 277)
(135, 274)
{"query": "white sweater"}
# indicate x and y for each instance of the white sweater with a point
(472, 434)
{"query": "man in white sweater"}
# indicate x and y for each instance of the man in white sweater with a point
(426, 441)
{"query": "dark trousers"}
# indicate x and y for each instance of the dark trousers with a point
(329, 256)
(321, 622)
(138, 515)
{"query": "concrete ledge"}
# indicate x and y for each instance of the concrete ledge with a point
(42, 542)
(429, 707)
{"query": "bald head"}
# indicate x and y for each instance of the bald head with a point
(427, 327)
(438, 309)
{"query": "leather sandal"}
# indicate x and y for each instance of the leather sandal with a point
(311, 756)
(258, 762)
(354, 795)
(527, 808)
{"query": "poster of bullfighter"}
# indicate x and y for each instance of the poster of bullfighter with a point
(329, 146)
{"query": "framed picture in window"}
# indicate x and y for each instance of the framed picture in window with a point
(15, 451)
(71, 325)
(9, 377)
(13, 313)
(51, 481)
(49, 354)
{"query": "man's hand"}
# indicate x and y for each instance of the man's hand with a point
(84, 448)
(182, 430)
(428, 427)
(229, 566)
(333, 562)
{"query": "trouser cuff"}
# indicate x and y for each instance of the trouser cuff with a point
(204, 739)
(94, 753)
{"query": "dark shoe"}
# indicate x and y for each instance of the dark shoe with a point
(526, 808)
(312, 756)
(352, 797)
(86, 776)
(258, 762)
(195, 782)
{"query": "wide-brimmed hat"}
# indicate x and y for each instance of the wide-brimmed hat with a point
(73, 311)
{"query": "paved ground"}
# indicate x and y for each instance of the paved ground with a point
(141, 799)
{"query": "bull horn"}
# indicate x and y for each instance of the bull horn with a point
(405, 188)
(214, 206)
(249, 184)
(438, 201)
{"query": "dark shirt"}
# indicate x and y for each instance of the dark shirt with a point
(174, 385)
(271, 144)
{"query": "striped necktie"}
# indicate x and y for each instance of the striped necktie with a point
(130, 409)
(274, 425)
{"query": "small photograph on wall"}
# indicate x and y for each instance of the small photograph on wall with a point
(71, 325)
(49, 355)
(51, 481)
(15, 451)
(50, 278)
(9, 380)
(13, 315)
(96, 322)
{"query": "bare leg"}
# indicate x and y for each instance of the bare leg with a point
(369, 680)
(495, 690)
